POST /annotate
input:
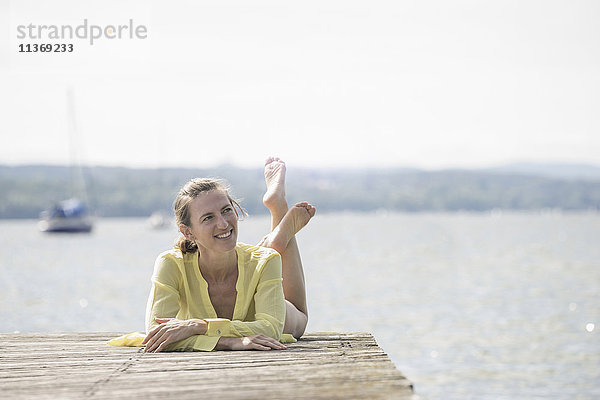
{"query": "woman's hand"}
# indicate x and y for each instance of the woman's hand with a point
(172, 330)
(256, 342)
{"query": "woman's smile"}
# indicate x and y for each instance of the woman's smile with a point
(225, 235)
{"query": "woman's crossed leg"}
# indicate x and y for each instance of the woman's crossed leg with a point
(285, 223)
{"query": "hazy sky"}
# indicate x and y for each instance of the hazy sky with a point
(430, 84)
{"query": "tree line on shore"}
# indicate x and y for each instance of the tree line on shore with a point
(128, 192)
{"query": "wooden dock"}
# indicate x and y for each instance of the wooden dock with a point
(81, 365)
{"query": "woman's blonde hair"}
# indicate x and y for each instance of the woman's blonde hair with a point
(192, 189)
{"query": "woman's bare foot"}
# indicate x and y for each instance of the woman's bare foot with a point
(295, 219)
(274, 198)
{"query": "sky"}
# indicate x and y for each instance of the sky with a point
(428, 84)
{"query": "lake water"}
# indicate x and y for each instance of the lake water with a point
(468, 306)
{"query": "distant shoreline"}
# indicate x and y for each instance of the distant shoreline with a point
(127, 192)
(490, 213)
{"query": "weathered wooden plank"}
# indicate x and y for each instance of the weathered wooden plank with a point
(81, 365)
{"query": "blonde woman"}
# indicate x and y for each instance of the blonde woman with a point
(213, 293)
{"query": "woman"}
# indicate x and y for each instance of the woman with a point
(212, 293)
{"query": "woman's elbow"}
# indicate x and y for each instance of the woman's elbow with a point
(272, 326)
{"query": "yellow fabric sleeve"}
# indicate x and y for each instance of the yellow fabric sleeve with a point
(163, 302)
(131, 339)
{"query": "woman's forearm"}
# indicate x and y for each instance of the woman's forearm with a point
(256, 342)
(171, 330)
(199, 326)
(225, 343)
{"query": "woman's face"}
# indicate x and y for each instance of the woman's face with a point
(213, 222)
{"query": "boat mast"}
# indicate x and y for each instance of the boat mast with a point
(78, 188)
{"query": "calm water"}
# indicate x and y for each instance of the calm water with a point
(481, 306)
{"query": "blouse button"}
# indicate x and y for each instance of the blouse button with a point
(218, 331)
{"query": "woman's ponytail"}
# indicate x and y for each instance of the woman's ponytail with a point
(185, 245)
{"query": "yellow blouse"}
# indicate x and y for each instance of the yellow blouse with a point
(180, 291)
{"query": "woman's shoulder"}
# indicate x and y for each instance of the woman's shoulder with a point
(172, 254)
(256, 253)
(173, 266)
(174, 258)
(258, 261)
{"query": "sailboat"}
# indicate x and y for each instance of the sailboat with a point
(71, 215)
